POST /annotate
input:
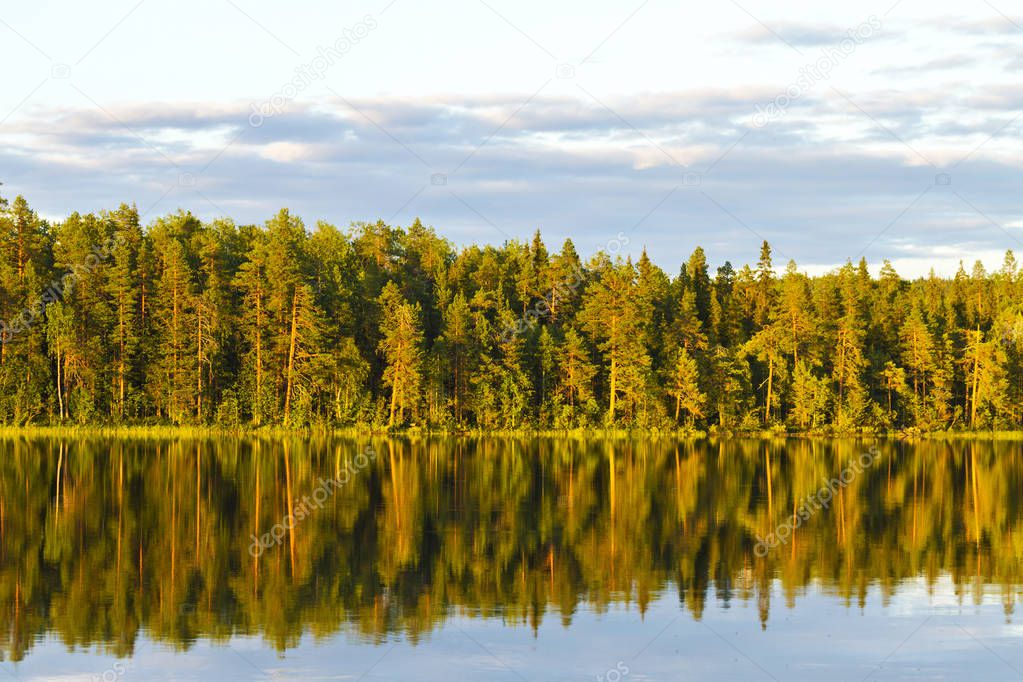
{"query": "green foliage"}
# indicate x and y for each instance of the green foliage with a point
(107, 321)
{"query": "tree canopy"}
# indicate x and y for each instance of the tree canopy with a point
(181, 321)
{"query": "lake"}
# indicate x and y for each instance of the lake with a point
(509, 559)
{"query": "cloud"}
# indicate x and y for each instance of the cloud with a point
(1001, 24)
(797, 34)
(289, 152)
(940, 64)
(823, 184)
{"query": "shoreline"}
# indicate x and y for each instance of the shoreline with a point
(179, 432)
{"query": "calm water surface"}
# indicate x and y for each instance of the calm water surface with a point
(509, 559)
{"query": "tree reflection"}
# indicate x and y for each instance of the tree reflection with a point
(101, 539)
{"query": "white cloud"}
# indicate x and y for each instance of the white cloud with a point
(586, 155)
(288, 152)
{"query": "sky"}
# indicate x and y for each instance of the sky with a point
(911, 631)
(879, 129)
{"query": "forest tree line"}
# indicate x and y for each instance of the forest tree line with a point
(108, 321)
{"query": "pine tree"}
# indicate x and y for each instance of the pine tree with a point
(24, 245)
(174, 314)
(546, 358)
(685, 387)
(123, 287)
(457, 342)
(60, 339)
(577, 370)
(612, 317)
(401, 346)
(811, 397)
(254, 288)
(793, 311)
(731, 388)
(766, 346)
(847, 370)
(566, 280)
(698, 282)
(918, 358)
(765, 281)
(304, 340)
(894, 384)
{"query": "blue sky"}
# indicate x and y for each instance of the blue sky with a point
(834, 130)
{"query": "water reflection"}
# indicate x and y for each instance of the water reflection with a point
(106, 540)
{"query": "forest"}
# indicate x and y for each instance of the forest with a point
(107, 321)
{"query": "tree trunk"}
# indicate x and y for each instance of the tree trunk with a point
(976, 379)
(291, 356)
(198, 364)
(120, 359)
(795, 343)
(60, 391)
(174, 341)
(614, 390)
(394, 402)
(259, 355)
